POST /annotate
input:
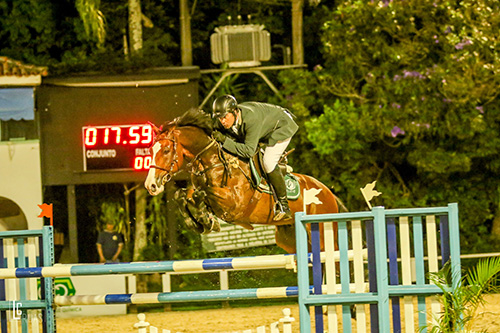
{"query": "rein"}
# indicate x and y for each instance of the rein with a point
(191, 164)
(212, 142)
(206, 169)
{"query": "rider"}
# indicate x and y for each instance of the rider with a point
(243, 126)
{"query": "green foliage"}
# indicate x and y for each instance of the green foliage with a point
(407, 96)
(460, 303)
(153, 252)
(114, 213)
(27, 30)
(156, 221)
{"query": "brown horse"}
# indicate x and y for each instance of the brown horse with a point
(221, 182)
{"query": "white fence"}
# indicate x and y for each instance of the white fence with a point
(286, 322)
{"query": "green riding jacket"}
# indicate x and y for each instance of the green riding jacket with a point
(259, 122)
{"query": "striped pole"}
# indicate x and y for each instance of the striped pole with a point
(243, 263)
(286, 261)
(182, 296)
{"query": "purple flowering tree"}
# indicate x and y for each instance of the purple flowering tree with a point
(407, 96)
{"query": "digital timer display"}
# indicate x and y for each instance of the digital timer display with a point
(117, 147)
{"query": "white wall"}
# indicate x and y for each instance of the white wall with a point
(20, 178)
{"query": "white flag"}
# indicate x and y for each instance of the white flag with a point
(369, 192)
(310, 196)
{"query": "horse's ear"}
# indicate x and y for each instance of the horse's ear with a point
(155, 129)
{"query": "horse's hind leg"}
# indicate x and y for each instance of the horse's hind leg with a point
(285, 237)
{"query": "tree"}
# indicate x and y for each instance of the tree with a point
(407, 95)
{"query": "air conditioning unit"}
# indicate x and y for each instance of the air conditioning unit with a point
(240, 45)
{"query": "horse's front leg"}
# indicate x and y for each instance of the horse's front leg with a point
(193, 209)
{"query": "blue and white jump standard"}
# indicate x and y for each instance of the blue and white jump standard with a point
(395, 266)
(398, 242)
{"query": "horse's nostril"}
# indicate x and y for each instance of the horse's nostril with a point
(153, 187)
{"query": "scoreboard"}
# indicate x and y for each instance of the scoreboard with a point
(95, 129)
(117, 147)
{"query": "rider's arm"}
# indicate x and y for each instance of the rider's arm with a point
(249, 146)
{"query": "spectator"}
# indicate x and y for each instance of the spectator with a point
(109, 244)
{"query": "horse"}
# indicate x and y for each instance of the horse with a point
(221, 183)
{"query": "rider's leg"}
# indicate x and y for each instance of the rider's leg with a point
(278, 182)
(271, 157)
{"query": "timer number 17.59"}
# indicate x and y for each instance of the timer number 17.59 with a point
(118, 135)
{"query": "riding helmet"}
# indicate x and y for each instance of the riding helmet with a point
(223, 105)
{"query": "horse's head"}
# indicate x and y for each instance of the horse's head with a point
(185, 136)
(167, 158)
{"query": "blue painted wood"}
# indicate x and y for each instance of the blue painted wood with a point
(3, 314)
(46, 284)
(379, 229)
(302, 273)
(445, 238)
(418, 247)
(392, 249)
(455, 244)
(343, 241)
(372, 273)
(317, 274)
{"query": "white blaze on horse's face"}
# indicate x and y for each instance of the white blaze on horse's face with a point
(154, 185)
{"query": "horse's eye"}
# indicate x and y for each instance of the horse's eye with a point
(166, 150)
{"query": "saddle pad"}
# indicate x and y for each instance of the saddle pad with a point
(291, 182)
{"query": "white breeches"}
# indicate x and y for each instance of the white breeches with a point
(272, 155)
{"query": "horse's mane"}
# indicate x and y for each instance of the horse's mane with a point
(192, 117)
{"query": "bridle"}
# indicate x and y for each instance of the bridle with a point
(175, 161)
(168, 176)
(191, 168)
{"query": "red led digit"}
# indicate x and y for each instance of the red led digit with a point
(91, 136)
(147, 132)
(118, 133)
(127, 142)
(106, 136)
(147, 162)
(134, 135)
(138, 163)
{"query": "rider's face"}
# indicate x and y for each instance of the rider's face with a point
(228, 120)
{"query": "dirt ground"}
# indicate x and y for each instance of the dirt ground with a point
(233, 319)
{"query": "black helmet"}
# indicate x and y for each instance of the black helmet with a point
(223, 105)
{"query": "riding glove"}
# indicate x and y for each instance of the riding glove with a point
(219, 136)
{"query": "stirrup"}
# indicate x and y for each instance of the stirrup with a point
(280, 213)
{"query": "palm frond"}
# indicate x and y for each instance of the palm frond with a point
(93, 19)
(461, 302)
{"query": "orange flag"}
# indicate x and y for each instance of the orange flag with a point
(46, 211)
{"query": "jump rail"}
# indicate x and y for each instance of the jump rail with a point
(397, 241)
(391, 261)
(14, 302)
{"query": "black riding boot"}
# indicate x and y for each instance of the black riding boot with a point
(277, 180)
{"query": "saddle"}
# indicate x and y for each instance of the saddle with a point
(261, 183)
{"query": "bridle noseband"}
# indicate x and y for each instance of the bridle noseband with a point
(192, 163)
(175, 161)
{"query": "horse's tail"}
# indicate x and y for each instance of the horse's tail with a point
(340, 204)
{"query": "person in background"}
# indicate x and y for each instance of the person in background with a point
(241, 127)
(109, 244)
